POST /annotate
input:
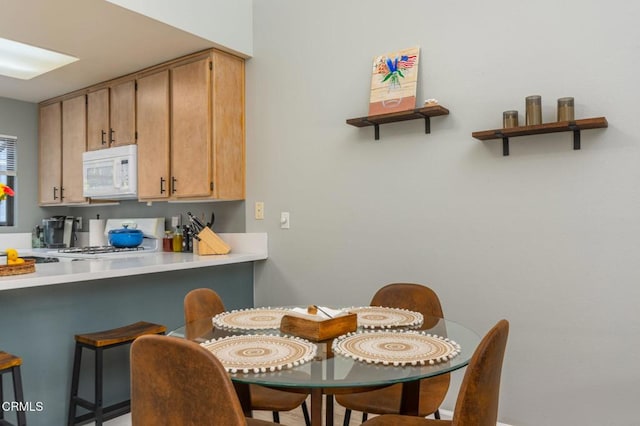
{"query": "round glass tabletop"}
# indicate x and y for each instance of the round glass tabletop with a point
(329, 370)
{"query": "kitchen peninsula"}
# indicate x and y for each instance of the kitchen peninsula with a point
(42, 311)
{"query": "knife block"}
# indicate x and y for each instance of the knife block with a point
(209, 243)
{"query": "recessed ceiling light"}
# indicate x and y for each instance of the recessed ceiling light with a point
(19, 60)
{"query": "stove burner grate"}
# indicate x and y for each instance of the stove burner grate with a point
(99, 249)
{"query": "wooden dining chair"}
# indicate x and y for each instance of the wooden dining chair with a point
(206, 303)
(177, 382)
(418, 298)
(477, 403)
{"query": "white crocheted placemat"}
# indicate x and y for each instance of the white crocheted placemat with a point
(260, 353)
(396, 348)
(383, 317)
(251, 319)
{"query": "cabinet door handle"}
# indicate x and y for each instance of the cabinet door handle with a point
(111, 139)
(55, 193)
(62, 193)
(102, 137)
(173, 184)
(162, 182)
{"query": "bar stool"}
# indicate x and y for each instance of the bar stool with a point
(98, 342)
(11, 364)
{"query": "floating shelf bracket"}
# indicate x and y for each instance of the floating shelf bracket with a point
(505, 143)
(576, 135)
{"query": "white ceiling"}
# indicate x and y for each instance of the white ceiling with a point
(109, 40)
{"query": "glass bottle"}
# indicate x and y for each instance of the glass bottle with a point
(177, 240)
(167, 241)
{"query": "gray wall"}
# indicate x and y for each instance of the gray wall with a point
(547, 237)
(20, 119)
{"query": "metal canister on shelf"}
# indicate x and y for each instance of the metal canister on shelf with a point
(509, 119)
(533, 105)
(566, 109)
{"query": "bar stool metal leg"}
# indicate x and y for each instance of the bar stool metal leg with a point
(18, 395)
(75, 379)
(98, 387)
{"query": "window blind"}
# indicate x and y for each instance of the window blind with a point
(8, 163)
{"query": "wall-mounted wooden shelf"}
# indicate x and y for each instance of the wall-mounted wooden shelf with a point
(538, 129)
(412, 114)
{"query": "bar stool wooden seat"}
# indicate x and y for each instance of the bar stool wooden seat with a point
(98, 342)
(11, 364)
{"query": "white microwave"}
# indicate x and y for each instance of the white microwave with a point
(111, 173)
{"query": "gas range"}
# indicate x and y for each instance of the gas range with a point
(152, 228)
(105, 252)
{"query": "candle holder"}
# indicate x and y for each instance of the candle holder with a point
(534, 110)
(510, 119)
(566, 109)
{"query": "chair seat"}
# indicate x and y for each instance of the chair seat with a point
(397, 420)
(127, 333)
(7, 360)
(387, 400)
(268, 399)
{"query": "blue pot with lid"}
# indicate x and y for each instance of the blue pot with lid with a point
(125, 237)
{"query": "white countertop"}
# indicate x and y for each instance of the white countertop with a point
(244, 248)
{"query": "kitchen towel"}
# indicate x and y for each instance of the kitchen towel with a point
(96, 232)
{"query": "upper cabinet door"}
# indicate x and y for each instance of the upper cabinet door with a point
(152, 98)
(122, 128)
(191, 129)
(50, 153)
(74, 142)
(98, 119)
(228, 127)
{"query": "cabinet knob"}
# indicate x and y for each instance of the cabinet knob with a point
(173, 184)
(111, 139)
(162, 182)
(102, 137)
(55, 193)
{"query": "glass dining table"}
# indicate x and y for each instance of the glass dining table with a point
(330, 373)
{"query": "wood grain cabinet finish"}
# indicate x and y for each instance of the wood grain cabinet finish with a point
(111, 116)
(63, 135)
(187, 117)
(50, 153)
(152, 118)
(74, 143)
(190, 130)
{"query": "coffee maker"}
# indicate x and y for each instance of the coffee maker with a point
(59, 231)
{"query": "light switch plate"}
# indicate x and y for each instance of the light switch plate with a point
(284, 220)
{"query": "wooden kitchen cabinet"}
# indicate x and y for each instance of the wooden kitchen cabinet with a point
(63, 135)
(190, 130)
(152, 121)
(111, 116)
(50, 153)
(74, 143)
(187, 117)
(207, 128)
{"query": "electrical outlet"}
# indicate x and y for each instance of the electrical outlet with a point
(259, 210)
